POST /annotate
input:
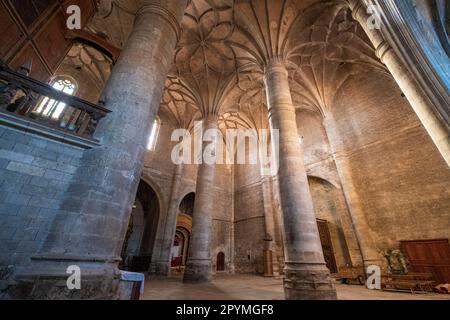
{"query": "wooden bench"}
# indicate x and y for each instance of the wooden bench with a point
(413, 282)
(351, 274)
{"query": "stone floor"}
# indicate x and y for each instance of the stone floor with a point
(250, 287)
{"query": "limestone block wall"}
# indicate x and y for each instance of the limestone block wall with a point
(248, 219)
(35, 175)
(400, 181)
(222, 240)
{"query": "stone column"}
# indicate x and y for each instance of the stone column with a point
(278, 219)
(161, 264)
(89, 229)
(198, 266)
(270, 258)
(418, 99)
(306, 274)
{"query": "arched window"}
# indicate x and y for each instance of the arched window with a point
(153, 135)
(51, 108)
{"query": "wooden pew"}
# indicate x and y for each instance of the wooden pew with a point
(413, 282)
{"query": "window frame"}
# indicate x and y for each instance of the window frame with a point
(43, 108)
(154, 134)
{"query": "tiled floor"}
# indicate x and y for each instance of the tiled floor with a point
(249, 287)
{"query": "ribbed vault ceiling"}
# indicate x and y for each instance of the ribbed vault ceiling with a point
(225, 44)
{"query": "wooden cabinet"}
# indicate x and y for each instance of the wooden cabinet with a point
(429, 256)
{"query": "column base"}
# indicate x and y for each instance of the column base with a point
(308, 282)
(197, 271)
(159, 268)
(102, 284)
(48, 277)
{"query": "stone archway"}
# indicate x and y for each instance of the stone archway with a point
(140, 238)
(180, 248)
(329, 207)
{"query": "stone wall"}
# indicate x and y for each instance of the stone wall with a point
(35, 175)
(329, 206)
(248, 219)
(400, 181)
(222, 219)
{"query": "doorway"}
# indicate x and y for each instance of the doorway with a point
(220, 261)
(327, 246)
(180, 248)
(140, 238)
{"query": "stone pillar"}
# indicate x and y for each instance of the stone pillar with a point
(198, 265)
(161, 263)
(89, 229)
(279, 228)
(418, 99)
(270, 257)
(306, 274)
(231, 267)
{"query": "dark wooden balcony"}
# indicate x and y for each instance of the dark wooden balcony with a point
(37, 107)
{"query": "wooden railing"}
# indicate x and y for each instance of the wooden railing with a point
(40, 103)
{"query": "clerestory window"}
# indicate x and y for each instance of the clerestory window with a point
(153, 135)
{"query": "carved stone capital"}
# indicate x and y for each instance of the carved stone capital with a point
(210, 120)
(356, 6)
(275, 65)
(166, 14)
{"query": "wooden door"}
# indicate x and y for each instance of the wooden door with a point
(429, 256)
(221, 261)
(327, 246)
